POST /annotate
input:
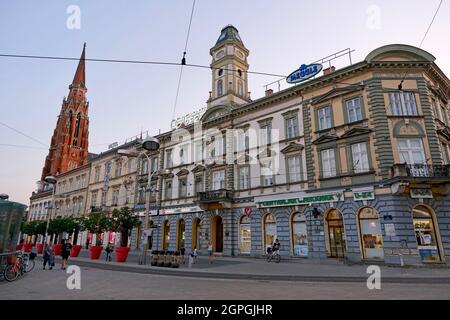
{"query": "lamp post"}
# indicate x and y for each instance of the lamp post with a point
(50, 180)
(148, 144)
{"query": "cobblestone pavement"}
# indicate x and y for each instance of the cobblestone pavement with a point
(106, 284)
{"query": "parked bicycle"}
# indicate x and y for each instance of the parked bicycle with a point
(19, 264)
(273, 255)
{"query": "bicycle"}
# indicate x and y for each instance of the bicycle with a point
(22, 265)
(273, 255)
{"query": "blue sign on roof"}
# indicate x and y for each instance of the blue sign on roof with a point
(305, 72)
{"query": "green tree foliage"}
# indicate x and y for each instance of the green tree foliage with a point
(123, 221)
(97, 223)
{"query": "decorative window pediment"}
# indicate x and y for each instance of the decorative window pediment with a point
(326, 138)
(243, 159)
(292, 147)
(408, 128)
(336, 93)
(215, 113)
(182, 172)
(357, 131)
(198, 168)
(444, 132)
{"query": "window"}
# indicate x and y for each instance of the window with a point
(168, 190)
(217, 147)
(270, 230)
(183, 154)
(370, 234)
(115, 197)
(243, 141)
(360, 158)
(245, 235)
(182, 187)
(425, 230)
(324, 118)
(240, 88)
(141, 195)
(328, 163)
(144, 166)
(219, 88)
(130, 165)
(77, 183)
(244, 177)
(94, 199)
(267, 174)
(218, 180)
(154, 165)
(294, 169)
(291, 127)
(220, 72)
(354, 109)
(299, 235)
(445, 153)
(97, 174)
(266, 135)
(199, 185)
(444, 115)
(403, 103)
(83, 181)
(118, 169)
(411, 151)
(153, 192)
(199, 151)
(127, 195)
(70, 184)
(104, 193)
(169, 160)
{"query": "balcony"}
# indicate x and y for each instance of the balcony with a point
(421, 172)
(221, 195)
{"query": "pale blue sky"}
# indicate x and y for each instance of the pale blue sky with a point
(280, 35)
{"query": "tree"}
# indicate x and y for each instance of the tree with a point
(57, 226)
(29, 228)
(123, 221)
(97, 223)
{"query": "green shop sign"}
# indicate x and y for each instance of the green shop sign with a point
(332, 197)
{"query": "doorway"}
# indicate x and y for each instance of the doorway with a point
(217, 234)
(336, 234)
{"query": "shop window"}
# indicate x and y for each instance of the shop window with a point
(181, 234)
(245, 235)
(299, 235)
(270, 231)
(335, 234)
(166, 235)
(370, 234)
(198, 234)
(425, 231)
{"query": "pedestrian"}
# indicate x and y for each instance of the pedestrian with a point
(109, 250)
(65, 253)
(182, 253)
(210, 253)
(46, 256)
(50, 252)
(195, 254)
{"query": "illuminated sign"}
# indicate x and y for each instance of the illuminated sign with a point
(322, 198)
(188, 119)
(305, 72)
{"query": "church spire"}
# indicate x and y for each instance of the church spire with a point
(80, 78)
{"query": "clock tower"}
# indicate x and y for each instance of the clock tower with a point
(229, 70)
(69, 144)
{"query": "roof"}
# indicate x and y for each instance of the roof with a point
(80, 76)
(229, 33)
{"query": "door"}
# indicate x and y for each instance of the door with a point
(336, 235)
(219, 235)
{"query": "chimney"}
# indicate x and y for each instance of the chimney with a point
(269, 92)
(329, 70)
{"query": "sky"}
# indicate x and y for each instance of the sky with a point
(126, 98)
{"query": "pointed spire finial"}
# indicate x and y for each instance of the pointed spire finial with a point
(80, 77)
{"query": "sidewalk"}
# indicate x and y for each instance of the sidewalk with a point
(259, 269)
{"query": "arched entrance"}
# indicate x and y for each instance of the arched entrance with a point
(166, 235)
(299, 235)
(336, 235)
(427, 234)
(370, 234)
(180, 234)
(150, 235)
(245, 235)
(269, 230)
(197, 233)
(217, 233)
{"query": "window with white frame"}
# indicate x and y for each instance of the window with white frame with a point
(266, 135)
(199, 183)
(94, 199)
(141, 195)
(267, 173)
(217, 149)
(218, 180)
(129, 165)
(169, 159)
(154, 164)
(242, 140)
(328, 163)
(244, 177)
(103, 200)
(403, 103)
(168, 190)
(411, 151)
(118, 169)
(198, 145)
(97, 174)
(354, 109)
(115, 197)
(324, 117)
(182, 181)
(445, 152)
(77, 183)
(291, 127)
(444, 114)
(183, 154)
(294, 168)
(360, 158)
(144, 166)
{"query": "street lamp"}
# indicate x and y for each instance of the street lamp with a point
(148, 144)
(50, 180)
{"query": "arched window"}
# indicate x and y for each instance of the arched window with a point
(77, 130)
(425, 226)
(180, 234)
(370, 234)
(245, 235)
(270, 230)
(219, 87)
(335, 234)
(197, 234)
(166, 235)
(299, 235)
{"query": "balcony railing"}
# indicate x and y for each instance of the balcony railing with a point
(420, 171)
(215, 196)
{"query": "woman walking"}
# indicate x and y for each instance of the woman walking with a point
(65, 253)
(49, 256)
(210, 253)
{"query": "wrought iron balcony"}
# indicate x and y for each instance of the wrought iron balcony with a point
(215, 196)
(420, 171)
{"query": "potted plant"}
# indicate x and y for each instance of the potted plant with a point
(123, 221)
(97, 223)
(40, 230)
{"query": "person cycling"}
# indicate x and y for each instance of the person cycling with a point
(276, 246)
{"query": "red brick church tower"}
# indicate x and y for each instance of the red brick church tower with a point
(69, 144)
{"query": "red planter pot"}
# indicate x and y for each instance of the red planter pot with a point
(19, 247)
(57, 249)
(122, 254)
(75, 250)
(27, 247)
(40, 248)
(95, 251)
